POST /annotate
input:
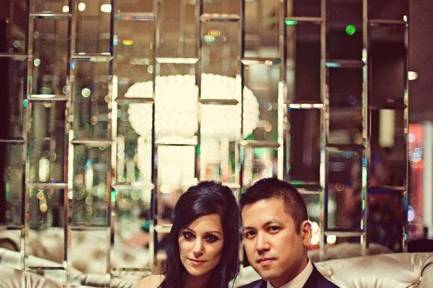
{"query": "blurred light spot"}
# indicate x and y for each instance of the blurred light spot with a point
(412, 75)
(127, 42)
(410, 214)
(106, 8)
(81, 6)
(65, 9)
(331, 239)
(86, 92)
(290, 22)
(37, 62)
(350, 29)
(411, 138)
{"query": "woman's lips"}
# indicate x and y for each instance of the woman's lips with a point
(196, 261)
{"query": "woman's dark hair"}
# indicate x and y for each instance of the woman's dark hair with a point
(203, 199)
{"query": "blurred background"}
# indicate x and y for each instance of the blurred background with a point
(112, 108)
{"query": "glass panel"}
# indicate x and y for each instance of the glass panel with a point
(92, 96)
(96, 244)
(91, 193)
(261, 28)
(345, 106)
(416, 174)
(222, 6)
(259, 163)
(386, 217)
(134, 54)
(388, 65)
(176, 104)
(93, 26)
(50, 56)
(303, 63)
(220, 51)
(219, 158)
(262, 79)
(387, 9)
(47, 142)
(12, 184)
(53, 6)
(309, 8)
(134, 144)
(388, 148)
(46, 223)
(174, 177)
(13, 83)
(132, 238)
(304, 146)
(13, 26)
(177, 29)
(134, 6)
(344, 189)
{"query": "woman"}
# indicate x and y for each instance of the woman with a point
(203, 241)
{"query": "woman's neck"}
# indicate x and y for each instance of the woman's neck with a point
(196, 281)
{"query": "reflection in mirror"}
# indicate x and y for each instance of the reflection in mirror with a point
(261, 28)
(90, 195)
(344, 189)
(13, 27)
(47, 142)
(91, 98)
(12, 185)
(259, 162)
(50, 56)
(12, 81)
(220, 52)
(303, 143)
(93, 27)
(303, 62)
(46, 238)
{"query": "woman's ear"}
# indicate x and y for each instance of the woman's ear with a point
(305, 230)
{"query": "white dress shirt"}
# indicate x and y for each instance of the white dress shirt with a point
(300, 279)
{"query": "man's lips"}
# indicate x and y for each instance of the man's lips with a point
(265, 260)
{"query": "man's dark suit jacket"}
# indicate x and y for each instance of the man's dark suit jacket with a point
(316, 280)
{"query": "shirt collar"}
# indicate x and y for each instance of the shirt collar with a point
(300, 279)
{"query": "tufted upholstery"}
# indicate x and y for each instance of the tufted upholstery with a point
(414, 270)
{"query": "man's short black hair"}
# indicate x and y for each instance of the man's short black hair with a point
(274, 188)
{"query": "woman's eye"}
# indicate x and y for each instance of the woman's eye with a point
(211, 238)
(188, 235)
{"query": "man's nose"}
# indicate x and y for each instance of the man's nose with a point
(198, 248)
(262, 243)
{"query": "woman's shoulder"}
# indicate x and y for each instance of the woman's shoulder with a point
(151, 281)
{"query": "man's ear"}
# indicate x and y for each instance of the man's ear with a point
(305, 230)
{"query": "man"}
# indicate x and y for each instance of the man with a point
(276, 233)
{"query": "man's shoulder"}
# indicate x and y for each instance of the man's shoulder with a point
(256, 284)
(317, 280)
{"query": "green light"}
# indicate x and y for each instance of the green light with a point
(350, 29)
(290, 22)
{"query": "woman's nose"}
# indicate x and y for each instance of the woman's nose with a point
(198, 248)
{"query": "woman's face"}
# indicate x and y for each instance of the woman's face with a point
(201, 244)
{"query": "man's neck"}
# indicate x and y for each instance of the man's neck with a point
(291, 276)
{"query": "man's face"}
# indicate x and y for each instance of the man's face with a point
(274, 248)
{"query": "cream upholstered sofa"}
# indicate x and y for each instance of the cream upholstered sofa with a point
(395, 270)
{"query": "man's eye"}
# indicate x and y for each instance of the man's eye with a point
(188, 235)
(274, 229)
(249, 234)
(211, 238)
